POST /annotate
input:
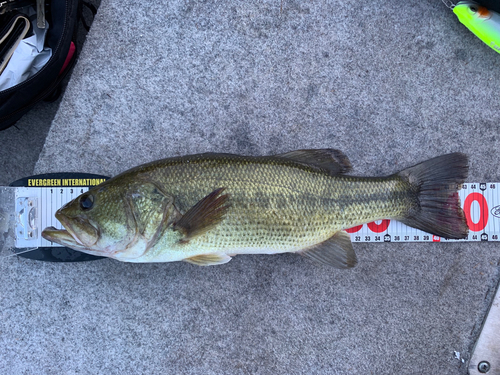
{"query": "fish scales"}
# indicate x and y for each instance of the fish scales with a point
(276, 205)
(205, 208)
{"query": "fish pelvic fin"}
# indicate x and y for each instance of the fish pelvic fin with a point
(203, 216)
(436, 208)
(336, 251)
(208, 259)
(333, 161)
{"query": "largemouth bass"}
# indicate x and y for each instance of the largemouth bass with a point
(206, 208)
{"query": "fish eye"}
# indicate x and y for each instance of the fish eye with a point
(86, 202)
(473, 8)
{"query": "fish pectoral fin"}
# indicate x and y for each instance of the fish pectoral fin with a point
(208, 259)
(332, 161)
(336, 251)
(204, 215)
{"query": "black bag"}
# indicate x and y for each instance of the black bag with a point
(63, 18)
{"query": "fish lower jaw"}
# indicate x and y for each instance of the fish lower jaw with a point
(62, 237)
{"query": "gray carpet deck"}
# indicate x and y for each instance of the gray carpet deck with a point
(390, 83)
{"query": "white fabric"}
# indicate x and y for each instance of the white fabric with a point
(30, 56)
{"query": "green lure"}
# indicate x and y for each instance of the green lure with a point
(484, 23)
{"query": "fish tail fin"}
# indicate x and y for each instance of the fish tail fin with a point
(437, 207)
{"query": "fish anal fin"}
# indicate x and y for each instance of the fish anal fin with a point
(208, 259)
(333, 161)
(336, 251)
(204, 215)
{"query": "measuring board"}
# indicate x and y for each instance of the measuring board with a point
(35, 200)
(481, 205)
(45, 201)
(480, 202)
(29, 205)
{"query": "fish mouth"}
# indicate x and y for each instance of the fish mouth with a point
(77, 234)
(62, 237)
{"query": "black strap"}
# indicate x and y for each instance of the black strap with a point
(92, 9)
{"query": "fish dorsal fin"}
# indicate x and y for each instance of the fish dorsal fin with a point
(204, 215)
(336, 251)
(208, 259)
(333, 161)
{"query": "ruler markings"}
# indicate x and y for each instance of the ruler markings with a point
(480, 200)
